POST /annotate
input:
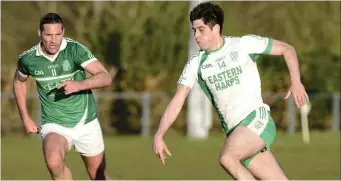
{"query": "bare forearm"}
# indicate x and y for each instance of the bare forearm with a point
(169, 116)
(20, 91)
(98, 80)
(292, 63)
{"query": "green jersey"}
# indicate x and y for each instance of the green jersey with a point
(67, 64)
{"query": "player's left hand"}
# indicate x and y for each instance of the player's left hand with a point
(298, 92)
(70, 86)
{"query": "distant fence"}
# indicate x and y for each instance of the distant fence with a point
(325, 111)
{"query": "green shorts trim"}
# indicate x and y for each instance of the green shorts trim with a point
(261, 123)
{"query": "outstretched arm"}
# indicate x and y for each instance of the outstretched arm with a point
(289, 53)
(172, 111)
(185, 83)
(169, 116)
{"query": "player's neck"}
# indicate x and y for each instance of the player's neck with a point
(217, 44)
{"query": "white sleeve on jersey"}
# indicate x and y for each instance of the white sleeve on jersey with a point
(256, 44)
(189, 74)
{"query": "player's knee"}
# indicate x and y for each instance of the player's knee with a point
(228, 161)
(55, 164)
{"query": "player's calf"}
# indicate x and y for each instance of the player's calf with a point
(99, 173)
(96, 166)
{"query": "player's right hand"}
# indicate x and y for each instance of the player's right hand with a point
(299, 94)
(159, 147)
(30, 126)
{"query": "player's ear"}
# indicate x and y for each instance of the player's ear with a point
(39, 33)
(216, 28)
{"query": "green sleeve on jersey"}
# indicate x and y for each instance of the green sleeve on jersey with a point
(254, 57)
(269, 47)
(82, 54)
(22, 67)
(267, 51)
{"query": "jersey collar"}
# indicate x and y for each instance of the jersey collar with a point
(39, 52)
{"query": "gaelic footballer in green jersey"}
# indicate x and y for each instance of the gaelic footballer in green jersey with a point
(68, 107)
(64, 110)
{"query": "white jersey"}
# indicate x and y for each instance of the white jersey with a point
(229, 76)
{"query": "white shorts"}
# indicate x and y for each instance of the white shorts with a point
(88, 139)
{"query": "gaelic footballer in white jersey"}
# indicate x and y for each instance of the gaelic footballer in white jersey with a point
(229, 77)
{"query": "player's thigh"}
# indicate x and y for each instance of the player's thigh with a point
(242, 143)
(265, 167)
(55, 147)
(264, 126)
(89, 141)
(55, 136)
(56, 142)
(253, 134)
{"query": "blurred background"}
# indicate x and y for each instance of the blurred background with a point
(145, 46)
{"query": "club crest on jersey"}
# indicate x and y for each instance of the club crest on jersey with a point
(234, 55)
(66, 65)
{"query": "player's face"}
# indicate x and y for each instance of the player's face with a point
(52, 37)
(203, 34)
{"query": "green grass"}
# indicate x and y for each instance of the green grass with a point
(131, 157)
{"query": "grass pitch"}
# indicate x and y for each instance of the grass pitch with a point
(131, 158)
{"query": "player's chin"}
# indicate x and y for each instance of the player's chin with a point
(52, 51)
(201, 46)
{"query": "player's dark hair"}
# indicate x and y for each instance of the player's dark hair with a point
(51, 18)
(210, 13)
